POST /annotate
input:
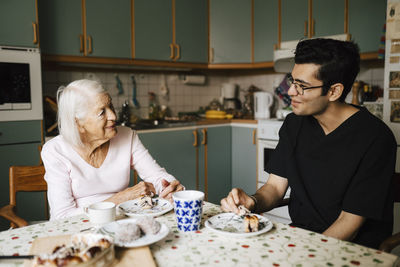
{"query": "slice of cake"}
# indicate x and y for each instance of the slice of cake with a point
(145, 202)
(250, 223)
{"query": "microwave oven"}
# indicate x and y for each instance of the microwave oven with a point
(20, 84)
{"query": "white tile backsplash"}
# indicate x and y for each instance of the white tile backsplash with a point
(182, 97)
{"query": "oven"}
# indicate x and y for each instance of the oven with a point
(268, 137)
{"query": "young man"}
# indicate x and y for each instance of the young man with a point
(337, 158)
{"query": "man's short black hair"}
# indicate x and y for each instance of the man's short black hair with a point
(339, 60)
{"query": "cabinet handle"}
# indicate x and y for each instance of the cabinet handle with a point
(204, 132)
(195, 143)
(211, 55)
(254, 136)
(90, 44)
(305, 28)
(80, 43)
(178, 52)
(35, 38)
(172, 51)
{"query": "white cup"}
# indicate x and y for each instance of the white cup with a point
(101, 213)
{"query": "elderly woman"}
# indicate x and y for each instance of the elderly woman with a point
(91, 159)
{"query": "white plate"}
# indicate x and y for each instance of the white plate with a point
(110, 229)
(132, 208)
(232, 225)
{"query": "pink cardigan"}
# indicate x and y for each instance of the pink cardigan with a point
(73, 183)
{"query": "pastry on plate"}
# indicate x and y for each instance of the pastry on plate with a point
(127, 233)
(243, 210)
(84, 250)
(145, 202)
(250, 223)
(149, 225)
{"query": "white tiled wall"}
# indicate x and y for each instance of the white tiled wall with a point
(181, 97)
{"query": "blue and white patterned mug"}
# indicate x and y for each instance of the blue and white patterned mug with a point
(188, 207)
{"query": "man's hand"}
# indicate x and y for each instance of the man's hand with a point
(169, 188)
(236, 198)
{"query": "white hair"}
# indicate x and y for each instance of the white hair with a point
(73, 104)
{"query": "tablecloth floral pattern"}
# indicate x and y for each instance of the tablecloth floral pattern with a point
(282, 246)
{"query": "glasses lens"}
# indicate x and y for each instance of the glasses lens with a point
(298, 88)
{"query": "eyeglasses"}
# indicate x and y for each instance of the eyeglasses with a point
(299, 87)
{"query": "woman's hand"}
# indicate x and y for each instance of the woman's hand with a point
(169, 188)
(142, 188)
(236, 198)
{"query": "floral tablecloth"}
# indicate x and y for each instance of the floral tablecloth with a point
(282, 246)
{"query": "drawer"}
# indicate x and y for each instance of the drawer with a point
(15, 132)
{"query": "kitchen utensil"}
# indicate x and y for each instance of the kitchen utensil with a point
(9, 257)
(188, 206)
(134, 99)
(119, 85)
(262, 104)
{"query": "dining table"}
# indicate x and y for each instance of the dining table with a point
(283, 245)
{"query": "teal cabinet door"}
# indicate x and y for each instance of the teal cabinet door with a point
(153, 29)
(16, 18)
(19, 141)
(265, 29)
(328, 17)
(61, 30)
(244, 160)
(230, 31)
(366, 20)
(15, 132)
(108, 24)
(191, 30)
(294, 19)
(31, 205)
(218, 163)
(174, 151)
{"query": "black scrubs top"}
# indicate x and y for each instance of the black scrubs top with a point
(349, 169)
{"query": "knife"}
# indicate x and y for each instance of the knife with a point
(7, 257)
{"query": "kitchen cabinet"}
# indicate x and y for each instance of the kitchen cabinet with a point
(18, 22)
(366, 22)
(244, 159)
(294, 19)
(173, 30)
(191, 30)
(216, 152)
(328, 18)
(230, 31)
(265, 29)
(153, 29)
(198, 158)
(312, 18)
(86, 28)
(19, 143)
(174, 151)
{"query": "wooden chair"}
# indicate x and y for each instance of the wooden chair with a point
(23, 179)
(391, 242)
